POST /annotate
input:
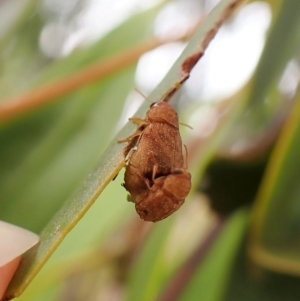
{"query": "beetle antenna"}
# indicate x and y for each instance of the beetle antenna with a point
(186, 157)
(138, 91)
(188, 126)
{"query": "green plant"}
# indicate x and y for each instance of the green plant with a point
(50, 143)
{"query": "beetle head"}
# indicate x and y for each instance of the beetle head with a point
(162, 112)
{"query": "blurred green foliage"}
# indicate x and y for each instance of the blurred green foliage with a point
(47, 154)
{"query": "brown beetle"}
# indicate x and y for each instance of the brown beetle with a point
(155, 175)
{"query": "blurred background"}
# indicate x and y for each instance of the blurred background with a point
(237, 236)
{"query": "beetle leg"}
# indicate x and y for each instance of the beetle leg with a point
(155, 166)
(129, 138)
(141, 122)
(186, 157)
(129, 198)
(146, 181)
(138, 121)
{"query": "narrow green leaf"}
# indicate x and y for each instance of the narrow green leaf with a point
(111, 162)
(211, 277)
(45, 156)
(151, 269)
(281, 46)
(59, 145)
(275, 222)
(151, 273)
(20, 56)
(247, 282)
(265, 99)
(83, 244)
